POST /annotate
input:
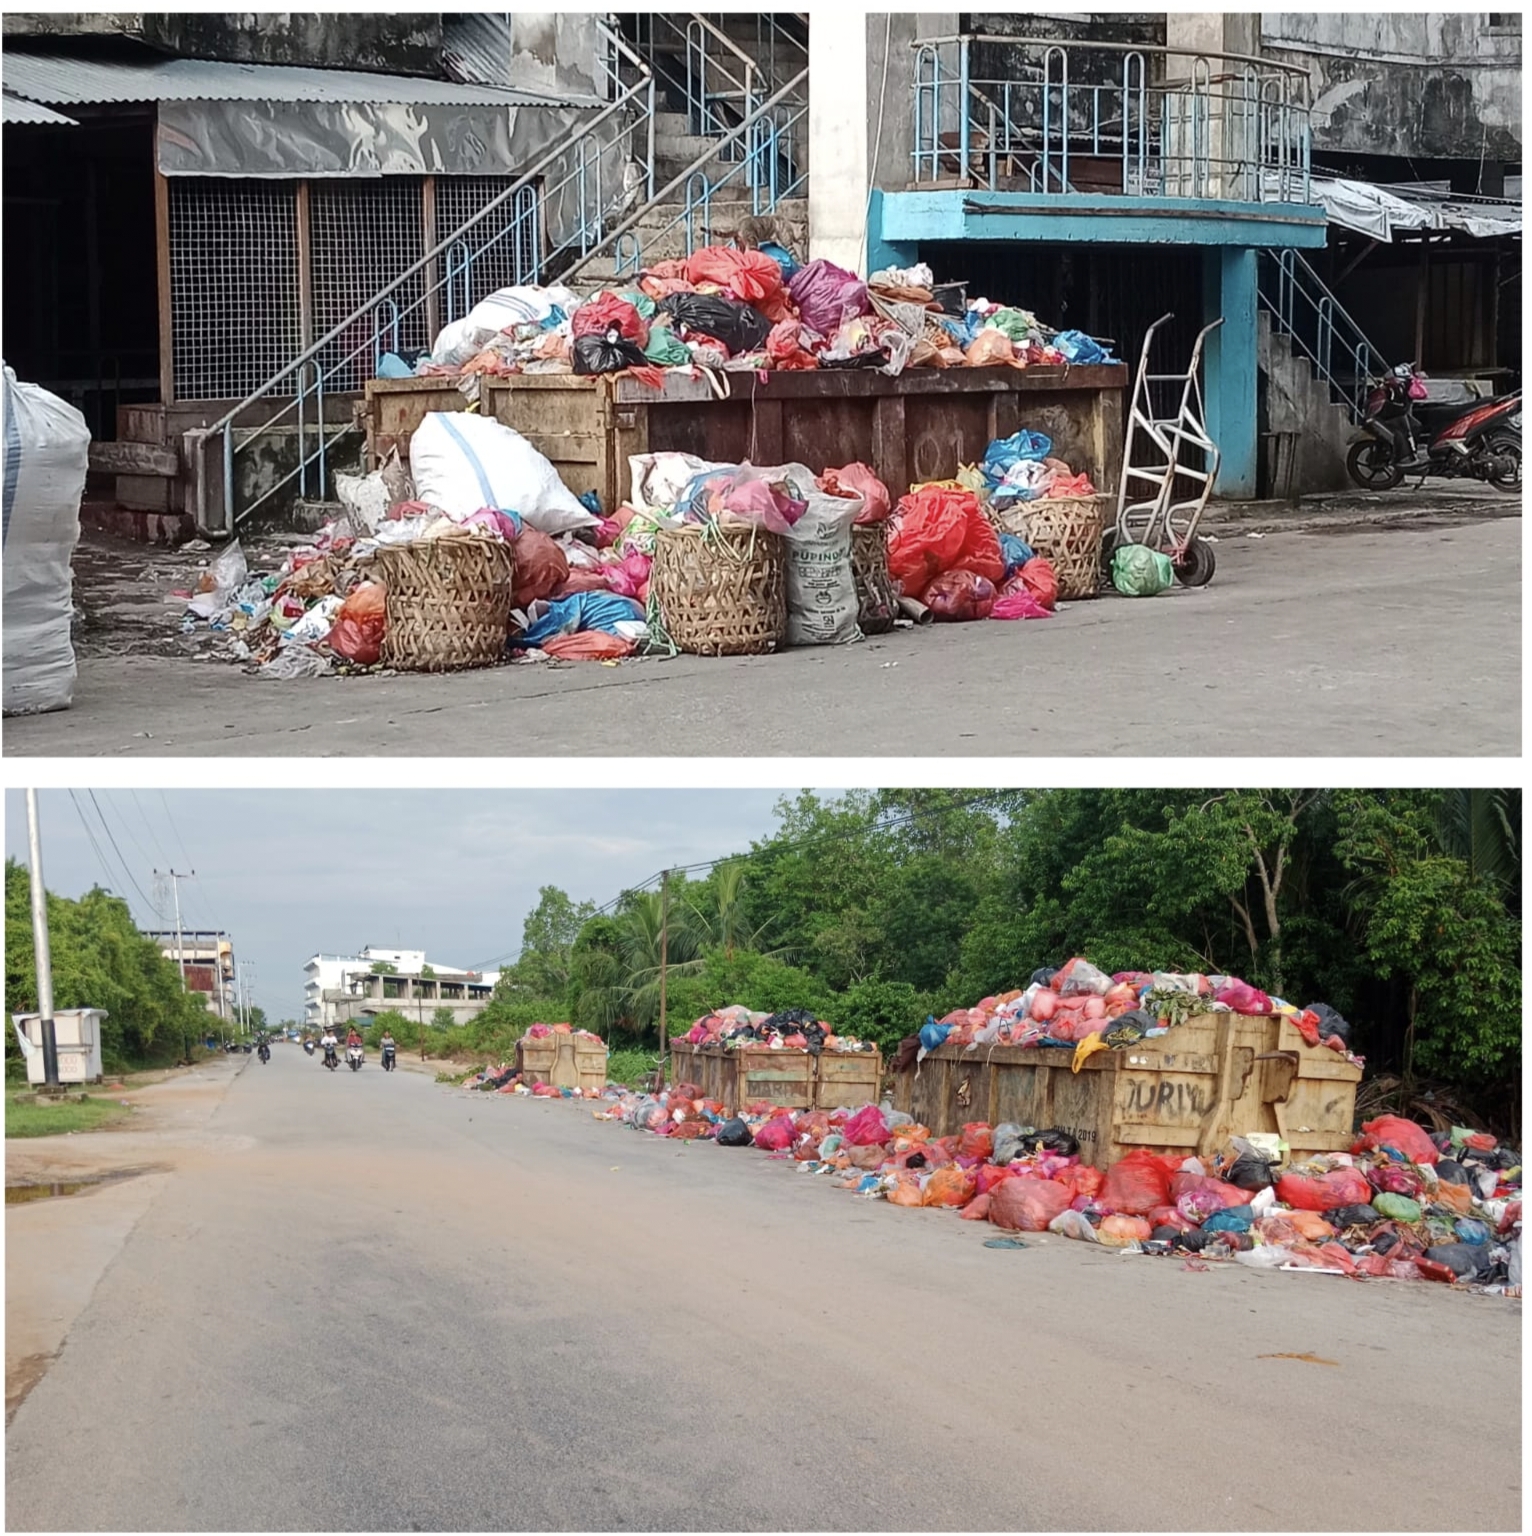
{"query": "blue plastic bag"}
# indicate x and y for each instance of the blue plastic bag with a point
(1016, 552)
(1470, 1231)
(582, 610)
(782, 257)
(933, 1034)
(1238, 1218)
(1006, 451)
(392, 366)
(1080, 348)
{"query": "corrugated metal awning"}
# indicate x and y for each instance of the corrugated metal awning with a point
(1384, 212)
(60, 80)
(15, 110)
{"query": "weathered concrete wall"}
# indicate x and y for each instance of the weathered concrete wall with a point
(402, 42)
(1435, 85)
(556, 51)
(890, 79)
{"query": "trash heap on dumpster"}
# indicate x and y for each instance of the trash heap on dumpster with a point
(747, 311)
(739, 1028)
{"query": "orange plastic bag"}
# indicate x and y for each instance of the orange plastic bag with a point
(977, 1209)
(950, 1186)
(991, 349)
(1027, 1205)
(541, 568)
(1311, 1226)
(906, 1191)
(1081, 1180)
(357, 633)
(1456, 1197)
(1119, 1231)
(588, 645)
(977, 1140)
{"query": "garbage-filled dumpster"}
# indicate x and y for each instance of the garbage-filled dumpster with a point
(564, 1059)
(923, 425)
(1216, 1075)
(798, 1079)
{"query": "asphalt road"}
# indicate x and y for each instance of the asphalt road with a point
(1381, 643)
(378, 1304)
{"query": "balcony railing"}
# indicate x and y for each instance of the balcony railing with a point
(1111, 119)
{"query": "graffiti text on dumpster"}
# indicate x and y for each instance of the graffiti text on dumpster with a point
(1163, 1099)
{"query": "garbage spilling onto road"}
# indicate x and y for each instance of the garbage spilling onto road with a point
(750, 311)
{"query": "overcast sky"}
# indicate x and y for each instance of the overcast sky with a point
(292, 873)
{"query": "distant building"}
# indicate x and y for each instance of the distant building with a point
(341, 988)
(208, 958)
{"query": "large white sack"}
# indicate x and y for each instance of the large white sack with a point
(461, 462)
(501, 311)
(821, 583)
(42, 478)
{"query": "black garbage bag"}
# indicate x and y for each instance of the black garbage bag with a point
(1385, 1243)
(907, 1055)
(1171, 1235)
(739, 327)
(1331, 1023)
(1352, 1216)
(734, 1133)
(1060, 1143)
(1252, 1173)
(1450, 1172)
(1194, 1241)
(609, 352)
(1043, 976)
(1463, 1259)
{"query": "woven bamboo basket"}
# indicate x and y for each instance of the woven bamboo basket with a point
(721, 591)
(877, 599)
(449, 601)
(1066, 532)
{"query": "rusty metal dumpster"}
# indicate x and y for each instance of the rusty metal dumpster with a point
(1214, 1076)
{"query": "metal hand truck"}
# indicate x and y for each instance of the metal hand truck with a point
(1156, 519)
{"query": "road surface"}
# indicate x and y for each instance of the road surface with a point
(1394, 643)
(373, 1303)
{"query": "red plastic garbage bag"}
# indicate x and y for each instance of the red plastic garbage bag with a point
(785, 349)
(977, 1140)
(1018, 605)
(977, 1209)
(776, 1135)
(928, 535)
(541, 568)
(357, 633)
(868, 1128)
(1400, 1134)
(951, 1185)
(981, 551)
(1328, 1192)
(877, 505)
(1027, 1205)
(748, 275)
(1038, 577)
(990, 1176)
(597, 316)
(1081, 1180)
(588, 645)
(1242, 997)
(959, 596)
(1209, 1196)
(1136, 1184)
(1169, 1216)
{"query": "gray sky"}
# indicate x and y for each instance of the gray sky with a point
(289, 873)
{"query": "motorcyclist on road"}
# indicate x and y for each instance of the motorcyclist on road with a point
(387, 1044)
(352, 1037)
(264, 1049)
(328, 1041)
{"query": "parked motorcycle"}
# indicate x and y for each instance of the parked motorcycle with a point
(354, 1057)
(388, 1058)
(1460, 439)
(331, 1060)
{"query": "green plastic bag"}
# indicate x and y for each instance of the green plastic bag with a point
(1396, 1207)
(666, 348)
(1018, 324)
(1138, 571)
(646, 307)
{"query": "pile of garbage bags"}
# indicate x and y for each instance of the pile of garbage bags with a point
(1403, 1204)
(741, 1028)
(744, 310)
(1079, 1006)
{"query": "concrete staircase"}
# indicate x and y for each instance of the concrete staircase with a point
(1298, 406)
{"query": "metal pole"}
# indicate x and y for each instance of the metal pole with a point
(175, 886)
(664, 960)
(41, 950)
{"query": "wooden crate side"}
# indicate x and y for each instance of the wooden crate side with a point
(394, 408)
(777, 1077)
(590, 1065)
(847, 1082)
(537, 1058)
(565, 419)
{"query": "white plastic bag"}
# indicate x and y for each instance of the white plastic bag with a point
(461, 462)
(365, 498)
(821, 586)
(1074, 1224)
(44, 459)
(657, 479)
(508, 307)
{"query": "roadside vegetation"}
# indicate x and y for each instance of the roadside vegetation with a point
(28, 1115)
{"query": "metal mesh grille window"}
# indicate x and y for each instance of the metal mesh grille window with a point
(233, 283)
(363, 235)
(501, 251)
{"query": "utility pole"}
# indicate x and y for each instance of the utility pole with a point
(175, 885)
(664, 960)
(43, 954)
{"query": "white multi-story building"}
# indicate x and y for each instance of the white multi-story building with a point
(340, 988)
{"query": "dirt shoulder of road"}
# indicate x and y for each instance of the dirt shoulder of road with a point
(57, 1248)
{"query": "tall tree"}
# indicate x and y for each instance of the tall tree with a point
(547, 937)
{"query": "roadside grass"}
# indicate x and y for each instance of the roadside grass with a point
(27, 1115)
(630, 1068)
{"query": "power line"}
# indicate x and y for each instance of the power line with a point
(111, 879)
(105, 827)
(175, 829)
(154, 837)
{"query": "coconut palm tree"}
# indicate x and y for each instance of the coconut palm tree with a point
(619, 979)
(1483, 828)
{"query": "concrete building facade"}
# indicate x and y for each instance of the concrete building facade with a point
(341, 988)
